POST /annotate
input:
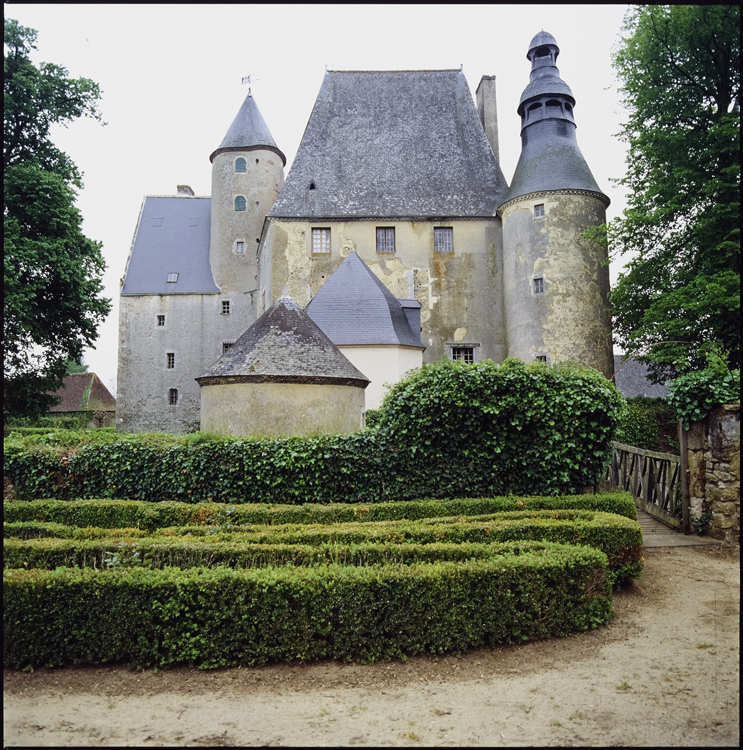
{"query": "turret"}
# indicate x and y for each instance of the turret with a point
(247, 175)
(556, 282)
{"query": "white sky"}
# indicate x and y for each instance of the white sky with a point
(171, 81)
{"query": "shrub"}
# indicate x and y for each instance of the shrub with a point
(695, 394)
(649, 423)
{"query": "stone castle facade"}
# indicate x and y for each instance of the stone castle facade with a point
(402, 169)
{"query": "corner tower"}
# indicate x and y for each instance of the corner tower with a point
(556, 282)
(247, 175)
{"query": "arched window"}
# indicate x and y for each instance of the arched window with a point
(240, 203)
(241, 165)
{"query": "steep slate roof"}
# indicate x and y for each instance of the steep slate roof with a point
(354, 308)
(550, 158)
(84, 391)
(632, 379)
(393, 144)
(284, 345)
(248, 132)
(172, 237)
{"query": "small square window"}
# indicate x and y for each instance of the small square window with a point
(463, 354)
(170, 360)
(225, 307)
(172, 278)
(443, 239)
(539, 210)
(240, 248)
(173, 397)
(320, 241)
(161, 320)
(385, 239)
(226, 346)
(157, 222)
(541, 357)
(539, 286)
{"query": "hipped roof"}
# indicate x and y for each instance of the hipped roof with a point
(84, 391)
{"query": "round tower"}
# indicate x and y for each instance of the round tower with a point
(556, 282)
(247, 175)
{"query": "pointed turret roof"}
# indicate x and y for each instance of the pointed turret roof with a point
(355, 308)
(284, 346)
(248, 132)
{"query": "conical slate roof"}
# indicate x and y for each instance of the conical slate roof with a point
(284, 346)
(248, 132)
(355, 308)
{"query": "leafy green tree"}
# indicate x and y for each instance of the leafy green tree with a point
(679, 295)
(52, 284)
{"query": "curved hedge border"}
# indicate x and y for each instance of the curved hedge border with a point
(142, 514)
(225, 617)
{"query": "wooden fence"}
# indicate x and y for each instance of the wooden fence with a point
(653, 479)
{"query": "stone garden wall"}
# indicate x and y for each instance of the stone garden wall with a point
(714, 472)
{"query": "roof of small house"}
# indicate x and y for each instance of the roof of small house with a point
(394, 144)
(355, 308)
(172, 237)
(631, 377)
(248, 132)
(284, 345)
(84, 391)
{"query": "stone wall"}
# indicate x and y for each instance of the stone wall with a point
(714, 471)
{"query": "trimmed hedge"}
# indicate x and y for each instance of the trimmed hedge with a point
(449, 430)
(226, 617)
(112, 514)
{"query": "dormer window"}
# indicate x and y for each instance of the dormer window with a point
(312, 186)
(241, 165)
(172, 278)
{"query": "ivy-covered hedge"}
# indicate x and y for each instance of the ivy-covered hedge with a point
(113, 514)
(215, 617)
(449, 430)
(649, 423)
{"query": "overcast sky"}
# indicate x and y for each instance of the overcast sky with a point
(171, 81)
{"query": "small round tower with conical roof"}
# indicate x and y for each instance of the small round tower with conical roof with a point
(556, 282)
(247, 175)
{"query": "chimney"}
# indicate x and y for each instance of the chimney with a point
(487, 111)
(185, 190)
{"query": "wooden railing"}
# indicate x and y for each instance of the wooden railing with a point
(653, 479)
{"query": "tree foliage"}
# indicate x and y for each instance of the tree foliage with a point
(52, 271)
(680, 73)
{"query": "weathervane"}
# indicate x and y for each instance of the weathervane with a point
(246, 79)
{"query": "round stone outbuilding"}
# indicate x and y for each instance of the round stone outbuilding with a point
(283, 376)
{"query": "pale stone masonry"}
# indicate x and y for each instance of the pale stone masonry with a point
(402, 170)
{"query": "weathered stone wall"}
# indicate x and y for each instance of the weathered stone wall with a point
(460, 292)
(275, 409)
(194, 331)
(714, 471)
(569, 319)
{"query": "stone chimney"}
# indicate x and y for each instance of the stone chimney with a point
(487, 111)
(185, 190)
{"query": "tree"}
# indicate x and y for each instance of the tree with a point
(52, 283)
(680, 72)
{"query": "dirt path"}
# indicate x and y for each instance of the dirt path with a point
(665, 671)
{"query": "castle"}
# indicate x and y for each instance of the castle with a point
(402, 169)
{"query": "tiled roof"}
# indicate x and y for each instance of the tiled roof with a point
(172, 238)
(393, 144)
(84, 391)
(248, 131)
(354, 308)
(284, 344)
(632, 380)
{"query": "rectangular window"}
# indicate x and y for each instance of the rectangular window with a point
(385, 239)
(225, 307)
(539, 210)
(161, 320)
(443, 240)
(240, 248)
(463, 353)
(541, 357)
(173, 397)
(539, 286)
(226, 346)
(172, 278)
(170, 360)
(320, 241)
